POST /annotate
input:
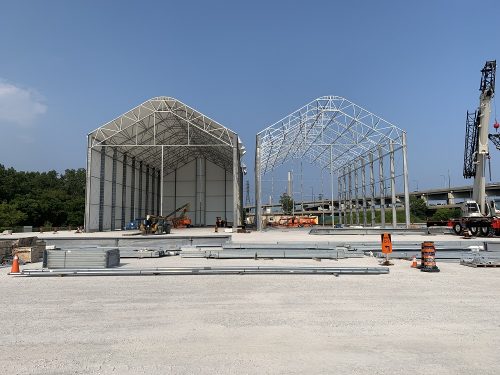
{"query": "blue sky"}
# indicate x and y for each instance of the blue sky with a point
(67, 67)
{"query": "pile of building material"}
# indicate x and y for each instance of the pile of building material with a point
(273, 251)
(5, 250)
(131, 252)
(81, 258)
(246, 270)
(475, 260)
(28, 250)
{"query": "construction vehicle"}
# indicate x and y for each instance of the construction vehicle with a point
(181, 221)
(479, 216)
(154, 224)
(295, 221)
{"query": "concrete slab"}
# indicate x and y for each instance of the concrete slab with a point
(401, 323)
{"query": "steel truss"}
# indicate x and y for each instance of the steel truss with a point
(167, 134)
(333, 133)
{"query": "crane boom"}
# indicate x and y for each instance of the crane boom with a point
(481, 123)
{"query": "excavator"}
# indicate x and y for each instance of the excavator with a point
(479, 214)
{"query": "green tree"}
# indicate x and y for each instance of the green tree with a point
(418, 207)
(286, 203)
(446, 214)
(10, 216)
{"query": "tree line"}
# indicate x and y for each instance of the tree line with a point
(38, 199)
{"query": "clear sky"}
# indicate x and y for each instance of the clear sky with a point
(67, 67)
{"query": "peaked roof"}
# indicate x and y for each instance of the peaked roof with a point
(330, 131)
(184, 133)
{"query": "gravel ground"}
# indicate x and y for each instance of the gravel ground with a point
(407, 322)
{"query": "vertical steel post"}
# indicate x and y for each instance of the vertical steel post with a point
(146, 199)
(124, 190)
(406, 181)
(372, 190)
(113, 190)
(140, 207)
(393, 184)
(132, 192)
(331, 180)
(339, 196)
(161, 181)
(301, 188)
(345, 195)
(351, 214)
(88, 186)
(158, 190)
(363, 189)
(102, 180)
(382, 186)
(153, 191)
(236, 177)
(356, 190)
(258, 214)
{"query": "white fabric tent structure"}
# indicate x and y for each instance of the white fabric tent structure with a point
(159, 156)
(337, 135)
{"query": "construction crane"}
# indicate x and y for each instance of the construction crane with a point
(476, 137)
(479, 215)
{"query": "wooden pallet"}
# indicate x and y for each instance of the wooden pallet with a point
(481, 265)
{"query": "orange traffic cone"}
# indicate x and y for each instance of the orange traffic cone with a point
(414, 262)
(15, 265)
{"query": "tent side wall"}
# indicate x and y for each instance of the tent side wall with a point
(206, 187)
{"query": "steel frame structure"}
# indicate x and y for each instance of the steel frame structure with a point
(168, 134)
(340, 136)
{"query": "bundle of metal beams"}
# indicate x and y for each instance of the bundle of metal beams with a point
(77, 258)
(141, 253)
(208, 271)
(273, 254)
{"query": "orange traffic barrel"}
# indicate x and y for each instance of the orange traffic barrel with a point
(428, 259)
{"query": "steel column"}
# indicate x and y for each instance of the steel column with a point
(331, 180)
(124, 190)
(146, 198)
(101, 187)
(351, 213)
(161, 181)
(140, 190)
(382, 186)
(88, 184)
(372, 189)
(236, 174)
(132, 192)
(356, 190)
(113, 190)
(393, 184)
(258, 177)
(158, 193)
(153, 191)
(406, 182)
(363, 189)
(339, 197)
(345, 196)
